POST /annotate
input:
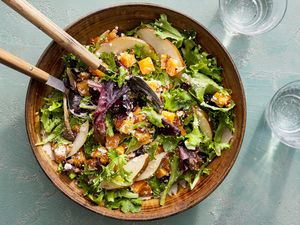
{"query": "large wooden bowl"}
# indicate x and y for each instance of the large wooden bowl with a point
(127, 17)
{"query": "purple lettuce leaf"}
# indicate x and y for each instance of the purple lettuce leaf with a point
(189, 159)
(109, 93)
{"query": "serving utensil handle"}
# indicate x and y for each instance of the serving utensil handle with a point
(55, 32)
(22, 66)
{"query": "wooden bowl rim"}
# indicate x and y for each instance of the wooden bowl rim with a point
(243, 115)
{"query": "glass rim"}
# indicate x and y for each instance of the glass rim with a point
(268, 28)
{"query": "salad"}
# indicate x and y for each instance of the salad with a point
(146, 130)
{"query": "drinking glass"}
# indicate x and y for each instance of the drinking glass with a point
(251, 17)
(283, 114)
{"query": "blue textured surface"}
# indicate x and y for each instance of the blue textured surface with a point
(262, 188)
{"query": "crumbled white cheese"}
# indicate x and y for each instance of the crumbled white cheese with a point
(173, 189)
(146, 197)
(102, 150)
(48, 150)
(60, 150)
(179, 113)
(182, 183)
(68, 166)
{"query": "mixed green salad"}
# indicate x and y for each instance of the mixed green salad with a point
(148, 129)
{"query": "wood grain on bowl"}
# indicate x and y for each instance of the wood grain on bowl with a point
(127, 17)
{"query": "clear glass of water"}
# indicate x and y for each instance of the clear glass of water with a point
(283, 114)
(251, 17)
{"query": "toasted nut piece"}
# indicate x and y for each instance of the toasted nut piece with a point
(78, 159)
(92, 164)
(146, 191)
(165, 163)
(83, 88)
(137, 186)
(178, 124)
(101, 153)
(142, 188)
(159, 149)
(126, 126)
(113, 141)
(113, 34)
(143, 137)
(161, 172)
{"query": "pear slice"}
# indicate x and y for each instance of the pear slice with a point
(135, 167)
(152, 167)
(203, 122)
(121, 44)
(161, 46)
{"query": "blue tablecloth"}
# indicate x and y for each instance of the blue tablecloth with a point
(262, 188)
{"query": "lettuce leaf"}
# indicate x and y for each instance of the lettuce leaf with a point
(199, 61)
(72, 61)
(168, 142)
(175, 173)
(152, 116)
(224, 120)
(209, 67)
(151, 149)
(126, 205)
(176, 99)
(86, 103)
(193, 177)
(156, 185)
(133, 145)
(140, 52)
(201, 84)
(124, 200)
(51, 118)
(109, 125)
(191, 52)
(109, 59)
(221, 119)
(165, 30)
(121, 77)
(162, 76)
(195, 137)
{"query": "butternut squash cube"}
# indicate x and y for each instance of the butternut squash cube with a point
(168, 116)
(221, 99)
(146, 65)
(163, 61)
(96, 72)
(127, 59)
(172, 67)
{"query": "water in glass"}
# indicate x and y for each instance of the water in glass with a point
(251, 16)
(283, 114)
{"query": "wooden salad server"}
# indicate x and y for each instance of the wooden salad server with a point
(71, 45)
(30, 70)
(56, 33)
